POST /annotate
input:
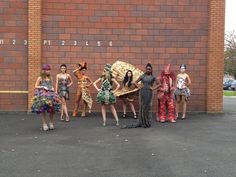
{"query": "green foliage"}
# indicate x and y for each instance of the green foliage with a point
(230, 54)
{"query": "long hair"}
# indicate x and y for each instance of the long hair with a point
(128, 79)
(107, 75)
(44, 75)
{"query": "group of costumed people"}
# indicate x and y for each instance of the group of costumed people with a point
(171, 91)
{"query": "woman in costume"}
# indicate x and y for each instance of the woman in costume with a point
(84, 82)
(105, 95)
(145, 98)
(165, 95)
(63, 82)
(45, 99)
(128, 96)
(182, 92)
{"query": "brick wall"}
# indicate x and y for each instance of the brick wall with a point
(34, 46)
(159, 32)
(215, 57)
(100, 32)
(13, 54)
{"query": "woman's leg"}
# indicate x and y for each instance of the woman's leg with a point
(76, 107)
(124, 109)
(178, 100)
(103, 109)
(44, 123)
(51, 120)
(113, 110)
(62, 108)
(65, 110)
(133, 109)
(184, 107)
(85, 105)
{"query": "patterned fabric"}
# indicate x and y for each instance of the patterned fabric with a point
(182, 89)
(82, 92)
(130, 95)
(63, 90)
(167, 102)
(45, 100)
(105, 95)
(165, 96)
(185, 92)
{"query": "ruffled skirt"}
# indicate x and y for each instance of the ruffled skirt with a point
(45, 101)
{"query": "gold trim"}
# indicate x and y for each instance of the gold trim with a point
(13, 91)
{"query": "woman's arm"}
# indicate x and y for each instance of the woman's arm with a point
(137, 81)
(75, 72)
(117, 85)
(37, 83)
(71, 81)
(90, 82)
(189, 80)
(157, 84)
(56, 83)
(95, 84)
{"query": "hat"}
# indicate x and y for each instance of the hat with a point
(83, 65)
(46, 67)
(167, 69)
(108, 67)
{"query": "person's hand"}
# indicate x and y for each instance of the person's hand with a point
(88, 85)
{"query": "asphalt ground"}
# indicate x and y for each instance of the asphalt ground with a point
(203, 145)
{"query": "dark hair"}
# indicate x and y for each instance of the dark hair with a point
(126, 78)
(63, 65)
(182, 65)
(149, 65)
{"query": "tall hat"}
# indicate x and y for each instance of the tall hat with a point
(167, 69)
(108, 67)
(46, 67)
(83, 65)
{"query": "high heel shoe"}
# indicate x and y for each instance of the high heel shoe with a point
(45, 127)
(124, 115)
(51, 126)
(173, 121)
(75, 114)
(67, 119)
(135, 116)
(62, 119)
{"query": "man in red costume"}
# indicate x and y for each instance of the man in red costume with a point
(165, 95)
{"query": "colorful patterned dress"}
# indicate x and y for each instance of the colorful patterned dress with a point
(105, 95)
(45, 100)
